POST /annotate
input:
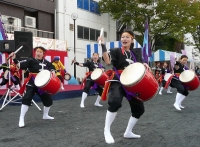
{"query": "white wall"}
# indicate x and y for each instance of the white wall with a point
(64, 9)
(190, 48)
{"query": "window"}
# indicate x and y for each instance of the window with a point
(92, 35)
(97, 34)
(80, 4)
(88, 5)
(86, 33)
(80, 32)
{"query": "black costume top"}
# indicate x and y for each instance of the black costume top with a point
(121, 60)
(35, 66)
(181, 68)
(92, 66)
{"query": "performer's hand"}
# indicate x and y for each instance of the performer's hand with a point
(12, 55)
(102, 40)
(53, 73)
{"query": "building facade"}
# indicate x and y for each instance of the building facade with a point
(87, 28)
(53, 19)
(36, 16)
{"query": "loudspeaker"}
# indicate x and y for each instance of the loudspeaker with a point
(7, 46)
(25, 39)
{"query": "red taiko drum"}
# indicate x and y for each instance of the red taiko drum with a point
(47, 82)
(189, 79)
(138, 79)
(99, 76)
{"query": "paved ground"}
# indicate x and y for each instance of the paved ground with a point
(160, 126)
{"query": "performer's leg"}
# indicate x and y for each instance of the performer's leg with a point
(180, 92)
(46, 113)
(168, 89)
(86, 89)
(24, 109)
(61, 79)
(182, 98)
(97, 101)
(26, 102)
(16, 82)
(110, 117)
(137, 109)
(100, 90)
(47, 102)
(161, 89)
(4, 81)
(114, 101)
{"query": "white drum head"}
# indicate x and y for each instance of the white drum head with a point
(42, 78)
(167, 76)
(96, 74)
(132, 74)
(187, 76)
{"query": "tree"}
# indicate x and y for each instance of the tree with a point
(167, 18)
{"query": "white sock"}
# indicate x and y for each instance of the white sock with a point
(128, 133)
(110, 117)
(177, 100)
(24, 109)
(97, 101)
(46, 113)
(168, 90)
(84, 96)
(161, 89)
(181, 100)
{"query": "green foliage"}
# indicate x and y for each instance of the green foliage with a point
(166, 17)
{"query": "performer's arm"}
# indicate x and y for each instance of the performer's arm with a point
(20, 64)
(79, 64)
(105, 55)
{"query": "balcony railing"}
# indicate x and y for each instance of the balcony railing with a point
(36, 33)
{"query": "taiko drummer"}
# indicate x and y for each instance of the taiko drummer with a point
(120, 58)
(182, 91)
(164, 71)
(34, 66)
(88, 82)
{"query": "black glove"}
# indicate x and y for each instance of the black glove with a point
(76, 63)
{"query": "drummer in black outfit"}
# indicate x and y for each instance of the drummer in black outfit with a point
(120, 58)
(182, 92)
(164, 70)
(91, 65)
(34, 66)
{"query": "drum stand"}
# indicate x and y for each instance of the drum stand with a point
(7, 94)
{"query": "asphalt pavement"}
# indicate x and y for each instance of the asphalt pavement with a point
(160, 126)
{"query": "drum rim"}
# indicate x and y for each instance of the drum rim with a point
(99, 76)
(190, 80)
(46, 82)
(131, 84)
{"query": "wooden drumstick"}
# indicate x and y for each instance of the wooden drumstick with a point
(101, 34)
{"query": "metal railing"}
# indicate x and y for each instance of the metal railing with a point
(36, 33)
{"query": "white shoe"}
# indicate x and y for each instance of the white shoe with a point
(160, 93)
(98, 105)
(128, 133)
(177, 106)
(46, 113)
(169, 92)
(182, 107)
